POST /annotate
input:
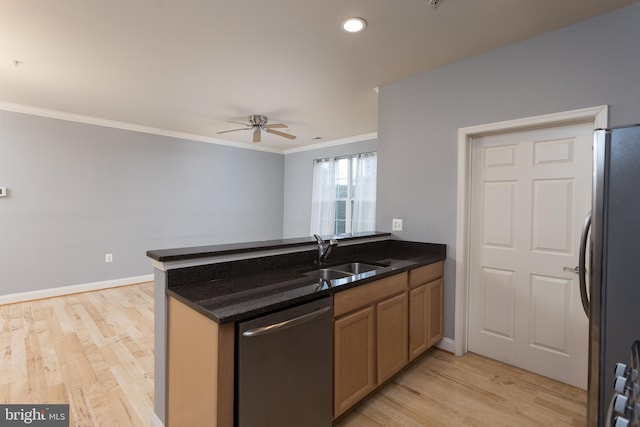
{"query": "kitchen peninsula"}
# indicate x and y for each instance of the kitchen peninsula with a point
(393, 290)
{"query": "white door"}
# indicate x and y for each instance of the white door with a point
(531, 191)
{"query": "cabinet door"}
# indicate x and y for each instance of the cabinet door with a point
(354, 369)
(392, 333)
(418, 321)
(425, 317)
(435, 304)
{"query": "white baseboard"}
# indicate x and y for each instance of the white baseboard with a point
(447, 344)
(73, 289)
(156, 421)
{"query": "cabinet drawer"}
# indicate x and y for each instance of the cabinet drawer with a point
(369, 293)
(428, 273)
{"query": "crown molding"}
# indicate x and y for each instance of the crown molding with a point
(97, 121)
(80, 118)
(341, 141)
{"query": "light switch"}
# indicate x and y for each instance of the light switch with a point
(3, 191)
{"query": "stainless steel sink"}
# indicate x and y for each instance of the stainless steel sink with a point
(356, 267)
(327, 274)
(342, 270)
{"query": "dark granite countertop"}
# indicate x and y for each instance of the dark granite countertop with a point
(240, 290)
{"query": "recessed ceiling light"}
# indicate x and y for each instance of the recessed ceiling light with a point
(354, 25)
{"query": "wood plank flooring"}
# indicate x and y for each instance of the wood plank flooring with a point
(92, 350)
(444, 390)
(95, 351)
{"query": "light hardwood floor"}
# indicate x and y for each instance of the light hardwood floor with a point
(444, 390)
(92, 350)
(95, 351)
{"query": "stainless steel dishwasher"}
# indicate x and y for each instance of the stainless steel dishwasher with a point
(285, 368)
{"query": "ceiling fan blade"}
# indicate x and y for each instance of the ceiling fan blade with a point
(239, 123)
(277, 132)
(275, 125)
(233, 130)
(257, 135)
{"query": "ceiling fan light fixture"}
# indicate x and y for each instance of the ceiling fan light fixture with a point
(354, 25)
(258, 124)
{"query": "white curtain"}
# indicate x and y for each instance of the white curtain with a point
(364, 189)
(323, 197)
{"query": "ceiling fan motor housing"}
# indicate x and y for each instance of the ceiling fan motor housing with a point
(257, 120)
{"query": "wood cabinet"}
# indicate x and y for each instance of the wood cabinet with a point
(425, 308)
(354, 360)
(369, 348)
(379, 327)
(436, 311)
(200, 364)
(392, 335)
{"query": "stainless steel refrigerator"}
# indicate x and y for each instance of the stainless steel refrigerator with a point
(611, 286)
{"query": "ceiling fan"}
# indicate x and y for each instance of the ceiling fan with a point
(258, 123)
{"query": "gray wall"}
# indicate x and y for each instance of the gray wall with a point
(298, 183)
(592, 63)
(78, 192)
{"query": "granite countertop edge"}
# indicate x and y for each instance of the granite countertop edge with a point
(195, 252)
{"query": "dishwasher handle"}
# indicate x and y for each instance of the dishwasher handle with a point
(285, 324)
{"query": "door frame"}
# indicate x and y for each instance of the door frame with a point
(597, 115)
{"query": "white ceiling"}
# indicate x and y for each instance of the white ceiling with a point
(190, 65)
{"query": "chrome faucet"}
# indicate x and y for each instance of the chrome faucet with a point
(324, 248)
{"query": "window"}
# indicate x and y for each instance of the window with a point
(344, 194)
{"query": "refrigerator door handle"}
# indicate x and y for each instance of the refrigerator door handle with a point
(582, 267)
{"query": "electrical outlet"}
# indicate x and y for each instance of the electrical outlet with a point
(396, 225)
(108, 258)
(3, 191)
